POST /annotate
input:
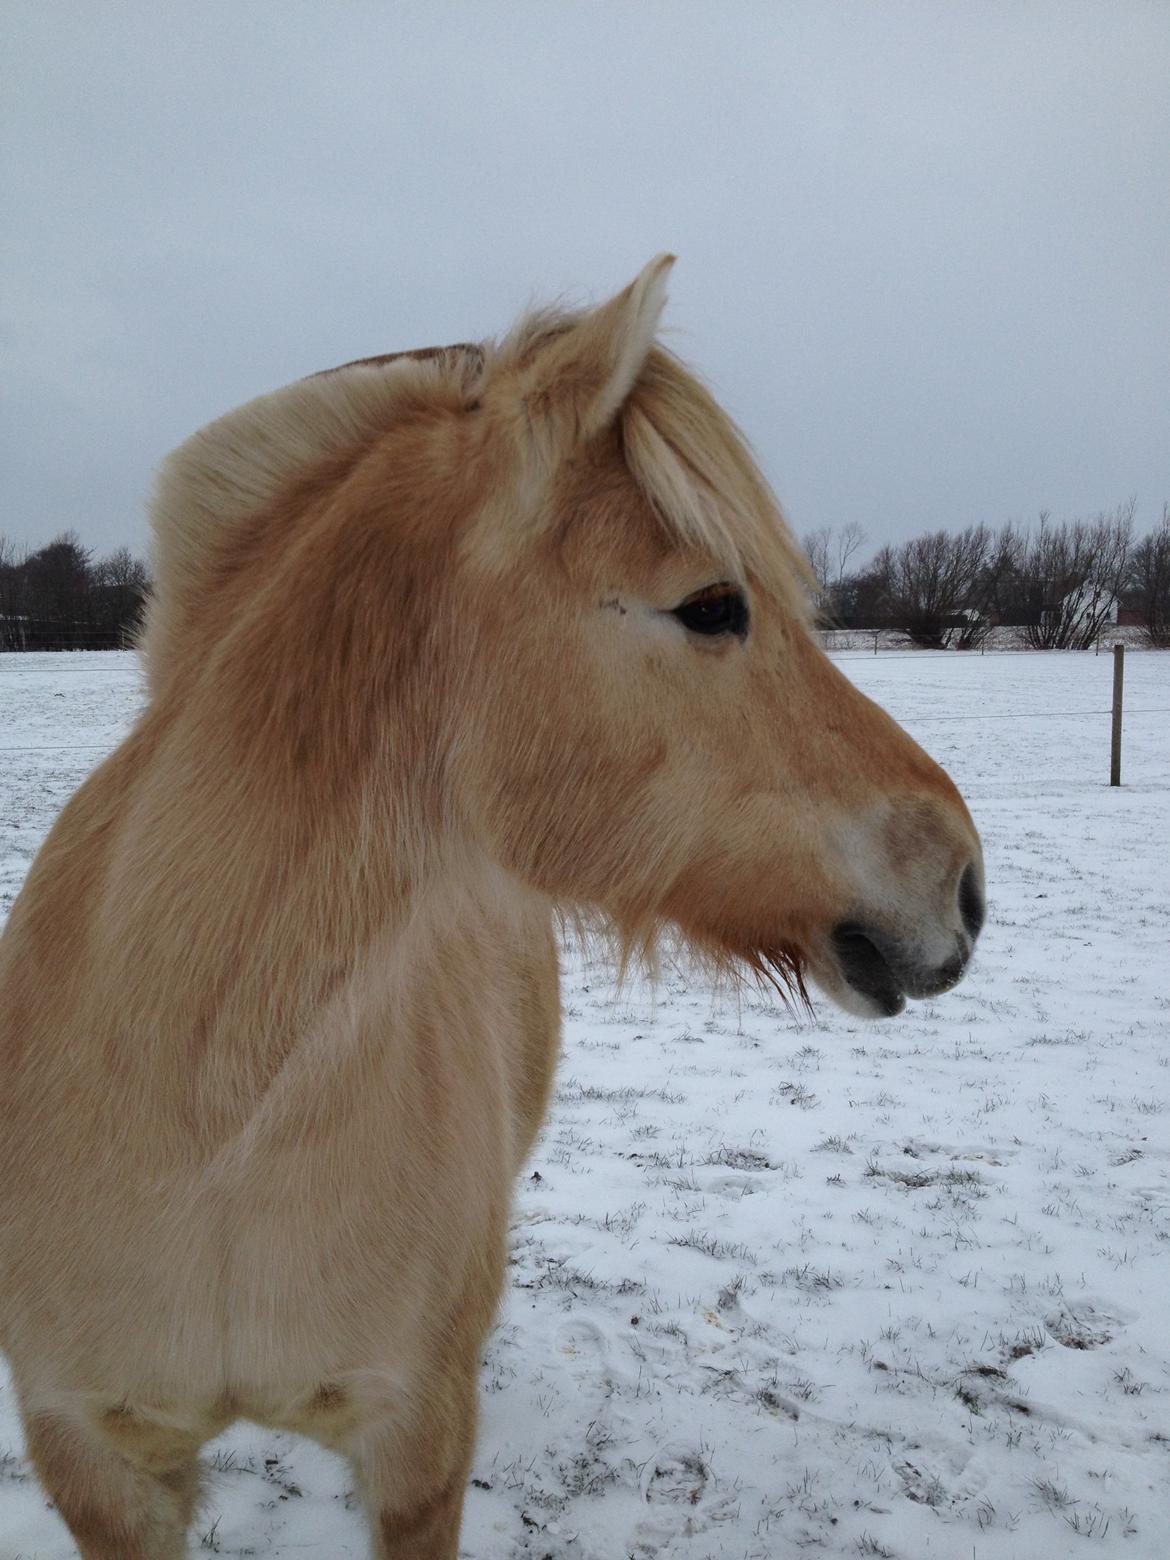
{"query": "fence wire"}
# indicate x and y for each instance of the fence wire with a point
(94, 747)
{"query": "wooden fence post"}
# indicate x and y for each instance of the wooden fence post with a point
(1118, 682)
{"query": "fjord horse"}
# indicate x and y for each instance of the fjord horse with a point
(441, 646)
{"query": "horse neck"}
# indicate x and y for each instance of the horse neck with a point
(239, 935)
(292, 810)
(251, 885)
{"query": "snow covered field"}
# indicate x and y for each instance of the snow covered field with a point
(790, 1286)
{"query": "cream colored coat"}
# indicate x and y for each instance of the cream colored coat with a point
(278, 1001)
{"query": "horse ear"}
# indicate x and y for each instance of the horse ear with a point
(576, 383)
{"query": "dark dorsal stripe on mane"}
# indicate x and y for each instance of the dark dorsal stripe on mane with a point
(444, 356)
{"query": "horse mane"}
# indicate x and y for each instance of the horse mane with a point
(236, 465)
(687, 456)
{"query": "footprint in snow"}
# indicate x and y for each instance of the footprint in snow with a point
(677, 1475)
(734, 1186)
(1084, 1325)
(585, 1344)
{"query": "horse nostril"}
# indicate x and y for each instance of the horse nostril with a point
(971, 906)
(866, 968)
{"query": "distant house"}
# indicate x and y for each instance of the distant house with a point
(1082, 607)
(965, 629)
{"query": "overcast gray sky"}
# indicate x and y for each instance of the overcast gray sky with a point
(924, 249)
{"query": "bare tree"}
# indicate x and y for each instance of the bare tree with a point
(999, 591)
(57, 580)
(830, 550)
(11, 562)
(58, 598)
(12, 634)
(1149, 581)
(816, 550)
(120, 587)
(1075, 573)
(930, 586)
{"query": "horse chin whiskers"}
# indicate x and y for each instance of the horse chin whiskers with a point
(781, 968)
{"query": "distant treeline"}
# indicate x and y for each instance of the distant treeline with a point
(1061, 583)
(63, 598)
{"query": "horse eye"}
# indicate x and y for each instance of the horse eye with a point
(720, 609)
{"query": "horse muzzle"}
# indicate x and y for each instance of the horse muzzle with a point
(883, 965)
